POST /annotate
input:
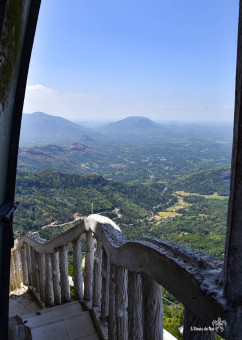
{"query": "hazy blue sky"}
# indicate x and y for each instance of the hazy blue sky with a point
(109, 59)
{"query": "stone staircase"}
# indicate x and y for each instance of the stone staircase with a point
(65, 322)
(120, 283)
(68, 321)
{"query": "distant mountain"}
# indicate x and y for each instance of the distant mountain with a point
(134, 125)
(86, 139)
(40, 128)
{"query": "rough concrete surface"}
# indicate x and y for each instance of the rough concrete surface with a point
(21, 302)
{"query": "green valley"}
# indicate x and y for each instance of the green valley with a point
(51, 197)
(169, 181)
(153, 208)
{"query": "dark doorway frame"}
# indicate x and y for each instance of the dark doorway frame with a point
(14, 65)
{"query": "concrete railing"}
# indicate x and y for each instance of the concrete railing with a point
(123, 280)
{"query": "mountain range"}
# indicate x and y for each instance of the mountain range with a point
(39, 128)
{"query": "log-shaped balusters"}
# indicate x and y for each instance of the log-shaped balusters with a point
(112, 305)
(37, 274)
(153, 309)
(97, 279)
(17, 268)
(29, 264)
(34, 280)
(89, 263)
(77, 269)
(130, 302)
(49, 283)
(105, 286)
(121, 302)
(35, 270)
(24, 264)
(56, 278)
(64, 278)
(42, 276)
(135, 306)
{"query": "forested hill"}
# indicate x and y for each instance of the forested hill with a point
(134, 125)
(206, 182)
(51, 196)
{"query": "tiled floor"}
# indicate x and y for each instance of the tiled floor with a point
(64, 322)
(51, 314)
(67, 328)
(21, 302)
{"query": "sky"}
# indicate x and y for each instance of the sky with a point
(109, 59)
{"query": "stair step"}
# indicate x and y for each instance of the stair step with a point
(72, 327)
(52, 314)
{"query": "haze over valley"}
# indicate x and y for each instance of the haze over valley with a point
(135, 148)
(183, 165)
(162, 179)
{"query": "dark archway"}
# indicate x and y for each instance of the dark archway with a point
(18, 20)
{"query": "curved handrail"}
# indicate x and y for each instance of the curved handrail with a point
(169, 264)
(193, 277)
(43, 246)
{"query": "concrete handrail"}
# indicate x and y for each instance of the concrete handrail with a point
(121, 276)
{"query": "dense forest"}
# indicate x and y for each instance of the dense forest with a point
(54, 197)
(206, 182)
